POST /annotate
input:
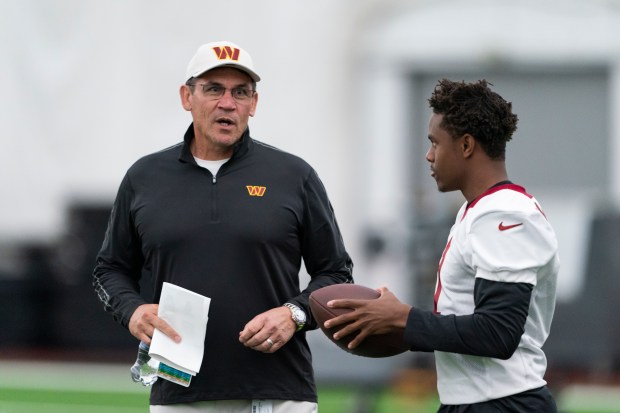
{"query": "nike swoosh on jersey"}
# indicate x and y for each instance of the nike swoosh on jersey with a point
(503, 227)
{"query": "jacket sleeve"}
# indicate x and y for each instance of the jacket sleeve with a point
(119, 263)
(493, 330)
(324, 254)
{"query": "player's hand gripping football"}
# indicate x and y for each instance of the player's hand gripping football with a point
(382, 315)
(268, 331)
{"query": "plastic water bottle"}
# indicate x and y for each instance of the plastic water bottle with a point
(144, 369)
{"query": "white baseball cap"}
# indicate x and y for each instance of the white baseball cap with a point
(218, 54)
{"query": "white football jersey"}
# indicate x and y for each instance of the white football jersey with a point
(502, 236)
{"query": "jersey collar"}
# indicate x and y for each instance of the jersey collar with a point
(497, 187)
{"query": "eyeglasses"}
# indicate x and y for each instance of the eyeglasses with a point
(213, 92)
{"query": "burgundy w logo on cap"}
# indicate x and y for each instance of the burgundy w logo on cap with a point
(226, 52)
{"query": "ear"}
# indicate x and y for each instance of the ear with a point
(254, 104)
(468, 144)
(186, 97)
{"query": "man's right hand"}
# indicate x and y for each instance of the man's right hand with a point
(144, 321)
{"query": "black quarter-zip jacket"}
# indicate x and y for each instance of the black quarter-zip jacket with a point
(238, 238)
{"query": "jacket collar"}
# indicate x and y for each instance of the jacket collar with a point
(242, 146)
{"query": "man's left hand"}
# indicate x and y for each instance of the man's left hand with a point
(268, 331)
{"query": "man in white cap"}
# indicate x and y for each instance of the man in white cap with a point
(230, 218)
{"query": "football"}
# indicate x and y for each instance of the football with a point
(379, 345)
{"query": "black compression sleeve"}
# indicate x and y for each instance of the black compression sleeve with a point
(493, 330)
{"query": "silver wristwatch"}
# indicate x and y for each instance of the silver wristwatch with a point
(298, 315)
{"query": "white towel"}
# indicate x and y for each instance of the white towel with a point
(187, 312)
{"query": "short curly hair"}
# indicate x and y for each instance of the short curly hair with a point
(475, 109)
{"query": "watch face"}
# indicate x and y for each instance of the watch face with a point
(300, 315)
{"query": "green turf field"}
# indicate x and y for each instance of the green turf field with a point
(28, 387)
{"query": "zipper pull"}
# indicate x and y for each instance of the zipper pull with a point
(214, 179)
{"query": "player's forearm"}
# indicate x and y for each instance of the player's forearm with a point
(493, 330)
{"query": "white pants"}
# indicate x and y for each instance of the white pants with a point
(235, 406)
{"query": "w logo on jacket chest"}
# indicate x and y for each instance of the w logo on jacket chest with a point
(254, 190)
